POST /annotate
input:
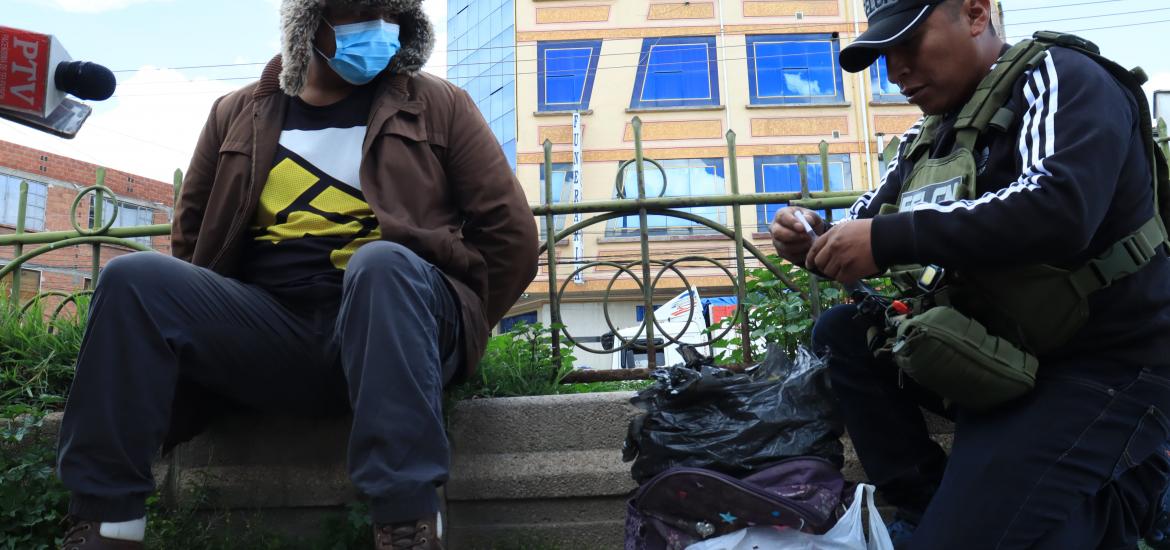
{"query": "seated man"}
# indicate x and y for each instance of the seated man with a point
(348, 233)
(1073, 463)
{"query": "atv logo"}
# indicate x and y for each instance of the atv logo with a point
(935, 193)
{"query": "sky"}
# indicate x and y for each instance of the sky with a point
(160, 50)
(170, 55)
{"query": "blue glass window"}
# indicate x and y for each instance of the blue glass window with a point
(566, 74)
(481, 62)
(676, 72)
(508, 323)
(562, 189)
(781, 174)
(884, 91)
(684, 178)
(794, 69)
(640, 313)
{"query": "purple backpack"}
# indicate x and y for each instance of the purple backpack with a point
(682, 506)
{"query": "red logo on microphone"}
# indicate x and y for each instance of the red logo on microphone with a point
(24, 68)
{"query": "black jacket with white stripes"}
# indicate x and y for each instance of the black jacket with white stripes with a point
(1066, 182)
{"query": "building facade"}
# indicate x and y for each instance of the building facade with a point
(53, 183)
(691, 71)
(481, 58)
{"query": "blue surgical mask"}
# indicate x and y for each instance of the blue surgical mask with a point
(363, 49)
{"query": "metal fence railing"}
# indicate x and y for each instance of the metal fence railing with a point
(101, 231)
(645, 271)
(633, 200)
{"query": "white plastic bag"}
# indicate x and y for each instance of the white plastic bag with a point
(848, 534)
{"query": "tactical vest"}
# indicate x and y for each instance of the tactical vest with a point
(1039, 307)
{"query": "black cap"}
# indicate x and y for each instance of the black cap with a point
(890, 22)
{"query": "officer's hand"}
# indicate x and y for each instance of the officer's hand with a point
(788, 235)
(844, 253)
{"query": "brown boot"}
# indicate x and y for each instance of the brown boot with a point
(413, 535)
(84, 535)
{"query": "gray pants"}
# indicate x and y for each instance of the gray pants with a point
(385, 350)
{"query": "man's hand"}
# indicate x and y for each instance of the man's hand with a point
(788, 235)
(844, 253)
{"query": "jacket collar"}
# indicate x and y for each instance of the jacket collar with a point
(390, 85)
(270, 103)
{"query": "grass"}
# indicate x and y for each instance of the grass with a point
(37, 357)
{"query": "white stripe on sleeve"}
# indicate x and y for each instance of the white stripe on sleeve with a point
(1037, 140)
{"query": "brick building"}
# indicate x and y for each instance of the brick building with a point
(54, 182)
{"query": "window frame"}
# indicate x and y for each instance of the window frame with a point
(512, 320)
(25, 274)
(760, 162)
(106, 201)
(637, 99)
(542, 49)
(876, 77)
(629, 224)
(557, 167)
(838, 98)
(36, 190)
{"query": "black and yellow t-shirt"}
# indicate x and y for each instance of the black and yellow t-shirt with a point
(312, 215)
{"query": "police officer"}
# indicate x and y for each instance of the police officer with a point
(1062, 179)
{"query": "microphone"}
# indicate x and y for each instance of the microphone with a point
(36, 74)
(85, 80)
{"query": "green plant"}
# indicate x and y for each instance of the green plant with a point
(33, 504)
(36, 368)
(777, 315)
(601, 387)
(350, 529)
(188, 528)
(520, 362)
(37, 356)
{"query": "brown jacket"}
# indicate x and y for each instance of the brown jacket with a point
(431, 171)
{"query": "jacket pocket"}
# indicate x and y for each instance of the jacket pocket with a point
(233, 166)
(235, 147)
(405, 126)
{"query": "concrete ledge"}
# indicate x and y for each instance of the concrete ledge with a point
(549, 523)
(575, 536)
(539, 471)
(527, 472)
(598, 472)
(266, 462)
(573, 422)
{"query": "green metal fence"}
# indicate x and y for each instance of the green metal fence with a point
(644, 206)
(101, 232)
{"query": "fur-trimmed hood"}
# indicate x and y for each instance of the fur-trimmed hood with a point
(299, 20)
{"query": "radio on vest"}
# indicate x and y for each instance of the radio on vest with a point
(37, 75)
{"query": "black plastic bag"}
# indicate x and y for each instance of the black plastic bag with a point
(700, 416)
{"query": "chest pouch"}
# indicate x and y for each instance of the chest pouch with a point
(954, 356)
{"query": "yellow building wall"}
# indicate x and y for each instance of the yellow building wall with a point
(689, 132)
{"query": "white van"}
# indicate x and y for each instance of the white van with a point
(672, 319)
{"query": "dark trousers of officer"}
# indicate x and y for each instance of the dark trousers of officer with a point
(385, 349)
(1079, 463)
